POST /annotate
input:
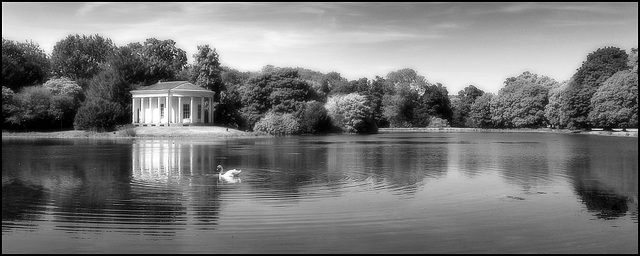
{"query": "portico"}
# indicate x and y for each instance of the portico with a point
(172, 103)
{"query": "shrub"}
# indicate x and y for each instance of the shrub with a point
(278, 124)
(31, 108)
(315, 118)
(436, 122)
(615, 103)
(351, 113)
(126, 130)
(98, 114)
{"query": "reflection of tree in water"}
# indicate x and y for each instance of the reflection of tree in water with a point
(605, 202)
(173, 185)
(295, 168)
(93, 187)
(522, 163)
(20, 201)
(204, 203)
(403, 166)
(280, 170)
(607, 205)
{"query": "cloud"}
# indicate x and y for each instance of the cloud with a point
(89, 7)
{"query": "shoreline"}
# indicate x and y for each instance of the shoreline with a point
(616, 132)
(213, 132)
(218, 132)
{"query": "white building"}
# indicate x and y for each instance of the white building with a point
(172, 103)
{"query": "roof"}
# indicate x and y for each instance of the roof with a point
(173, 86)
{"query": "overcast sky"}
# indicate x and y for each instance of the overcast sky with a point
(456, 44)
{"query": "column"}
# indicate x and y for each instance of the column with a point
(152, 116)
(179, 115)
(159, 112)
(142, 110)
(167, 110)
(191, 107)
(133, 110)
(201, 110)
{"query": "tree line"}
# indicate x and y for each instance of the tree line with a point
(85, 84)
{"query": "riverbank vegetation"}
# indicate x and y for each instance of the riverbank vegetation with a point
(84, 84)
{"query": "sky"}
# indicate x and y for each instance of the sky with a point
(456, 44)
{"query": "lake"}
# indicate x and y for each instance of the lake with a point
(384, 193)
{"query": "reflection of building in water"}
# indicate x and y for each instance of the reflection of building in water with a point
(165, 160)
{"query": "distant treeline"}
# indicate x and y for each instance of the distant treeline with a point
(85, 84)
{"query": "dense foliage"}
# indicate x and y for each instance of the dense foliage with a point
(480, 111)
(521, 102)
(278, 124)
(599, 66)
(615, 103)
(80, 57)
(461, 105)
(86, 84)
(351, 113)
(23, 64)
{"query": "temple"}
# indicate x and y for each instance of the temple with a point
(172, 103)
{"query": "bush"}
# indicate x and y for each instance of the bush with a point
(276, 124)
(126, 130)
(351, 113)
(31, 108)
(98, 114)
(315, 118)
(436, 122)
(615, 103)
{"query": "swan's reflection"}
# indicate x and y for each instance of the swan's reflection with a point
(230, 180)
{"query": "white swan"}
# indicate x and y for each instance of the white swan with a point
(229, 174)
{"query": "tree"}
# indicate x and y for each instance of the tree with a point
(375, 95)
(403, 91)
(65, 100)
(521, 102)
(32, 106)
(164, 60)
(98, 114)
(278, 124)
(351, 113)
(462, 106)
(633, 59)
(553, 110)
(480, 111)
(333, 83)
(615, 103)
(408, 77)
(8, 105)
(232, 76)
(289, 91)
(207, 70)
(80, 57)
(399, 106)
(227, 110)
(314, 118)
(111, 91)
(599, 66)
(277, 89)
(433, 103)
(23, 64)
(130, 64)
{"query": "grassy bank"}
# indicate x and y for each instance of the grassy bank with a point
(142, 132)
(223, 132)
(615, 132)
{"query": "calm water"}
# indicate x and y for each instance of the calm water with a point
(384, 193)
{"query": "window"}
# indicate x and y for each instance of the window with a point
(199, 111)
(162, 110)
(186, 111)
